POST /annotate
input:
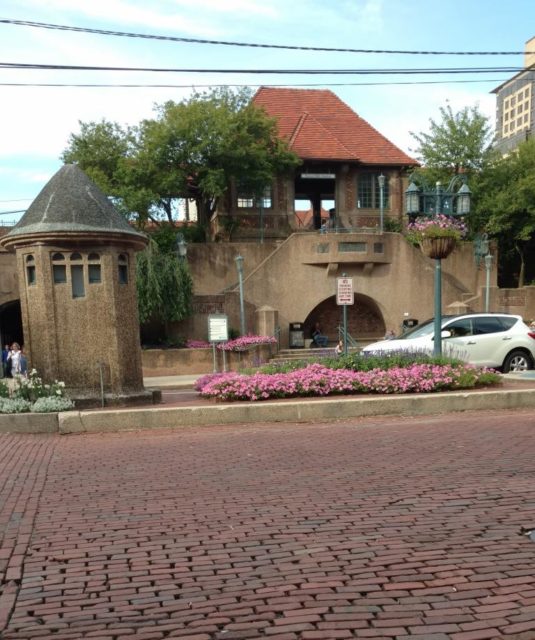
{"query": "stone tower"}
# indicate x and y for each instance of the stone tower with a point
(76, 267)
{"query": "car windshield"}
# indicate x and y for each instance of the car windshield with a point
(421, 330)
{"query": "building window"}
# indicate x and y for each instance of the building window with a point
(77, 281)
(350, 247)
(123, 269)
(30, 270)
(93, 271)
(93, 268)
(248, 201)
(513, 106)
(60, 273)
(369, 192)
(245, 202)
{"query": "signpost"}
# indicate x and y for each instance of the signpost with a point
(218, 332)
(344, 297)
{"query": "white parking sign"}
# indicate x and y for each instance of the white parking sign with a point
(344, 291)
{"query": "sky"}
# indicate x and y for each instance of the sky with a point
(37, 121)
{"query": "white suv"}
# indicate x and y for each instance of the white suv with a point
(497, 340)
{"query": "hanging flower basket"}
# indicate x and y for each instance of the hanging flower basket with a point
(437, 247)
(437, 236)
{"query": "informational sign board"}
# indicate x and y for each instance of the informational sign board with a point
(344, 291)
(217, 328)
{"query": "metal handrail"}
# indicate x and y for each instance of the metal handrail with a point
(350, 340)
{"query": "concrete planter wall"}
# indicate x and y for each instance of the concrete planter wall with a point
(173, 362)
(28, 422)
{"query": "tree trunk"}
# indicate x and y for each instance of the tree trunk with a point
(522, 272)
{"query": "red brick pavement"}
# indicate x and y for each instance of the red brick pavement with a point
(394, 528)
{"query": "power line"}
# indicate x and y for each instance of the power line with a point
(207, 86)
(126, 34)
(408, 71)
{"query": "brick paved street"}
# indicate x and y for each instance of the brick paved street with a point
(395, 528)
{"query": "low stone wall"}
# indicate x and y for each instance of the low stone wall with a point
(178, 362)
(29, 423)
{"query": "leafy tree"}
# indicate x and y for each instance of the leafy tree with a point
(507, 202)
(459, 143)
(196, 149)
(159, 273)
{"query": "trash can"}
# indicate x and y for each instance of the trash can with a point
(296, 335)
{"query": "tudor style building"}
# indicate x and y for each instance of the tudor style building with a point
(342, 158)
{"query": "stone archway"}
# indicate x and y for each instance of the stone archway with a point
(11, 323)
(364, 319)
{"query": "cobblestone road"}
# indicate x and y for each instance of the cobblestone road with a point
(380, 528)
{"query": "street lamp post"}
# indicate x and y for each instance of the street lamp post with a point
(426, 202)
(488, 266)
(381, 181)
(239, 265)
(181, 246)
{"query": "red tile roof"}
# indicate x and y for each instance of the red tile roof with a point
(319, 126)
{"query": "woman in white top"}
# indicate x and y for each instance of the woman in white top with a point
(14, 358)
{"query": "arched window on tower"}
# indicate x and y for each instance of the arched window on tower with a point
(77, 276)
(59, 270)
(30, 270)
(93, 267)
(123, 268)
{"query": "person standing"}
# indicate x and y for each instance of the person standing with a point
(14, 358)
(6, 367)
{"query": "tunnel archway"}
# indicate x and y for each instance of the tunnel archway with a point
(364, 319)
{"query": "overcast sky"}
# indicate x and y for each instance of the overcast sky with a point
(37, 120)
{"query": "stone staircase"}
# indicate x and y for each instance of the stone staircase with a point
(307, 354)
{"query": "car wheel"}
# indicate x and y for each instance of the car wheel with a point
(517, 361)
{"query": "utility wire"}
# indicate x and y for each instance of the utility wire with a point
(417, 71)
(126, 34)
(207, 86)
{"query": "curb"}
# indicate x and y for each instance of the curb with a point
(290, 411)
(329, 409)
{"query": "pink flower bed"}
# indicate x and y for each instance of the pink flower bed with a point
(317, 380)
(245, 342)
(197, 344)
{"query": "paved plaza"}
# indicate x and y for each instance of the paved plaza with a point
(395, 528)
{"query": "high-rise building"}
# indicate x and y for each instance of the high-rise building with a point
(514, 105)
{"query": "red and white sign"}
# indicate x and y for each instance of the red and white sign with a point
(344, 291)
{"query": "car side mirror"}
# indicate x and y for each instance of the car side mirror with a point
(445, 333)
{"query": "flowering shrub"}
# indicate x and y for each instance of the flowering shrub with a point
(32, 387)
(245, 342)
(31, 394)
(14, 405)
(197, 344)
(318, 380)
(52, 404)
(439, 226)
(4, 389)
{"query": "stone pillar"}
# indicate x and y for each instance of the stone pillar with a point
(267, 321)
